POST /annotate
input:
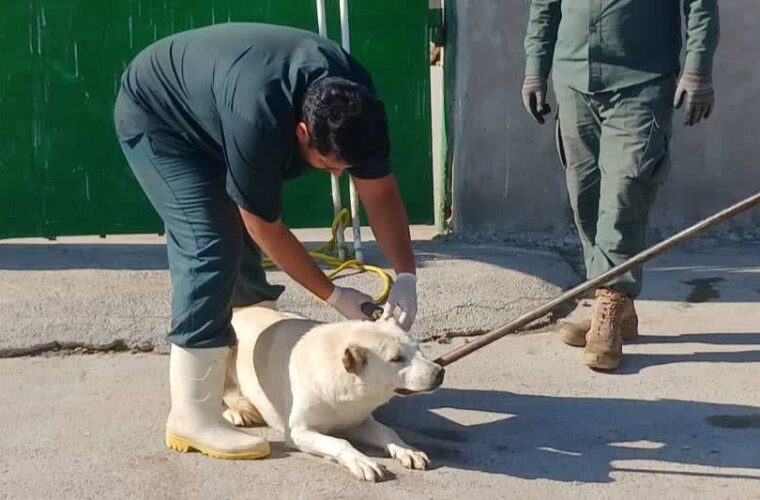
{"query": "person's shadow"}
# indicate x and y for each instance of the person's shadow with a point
(576, 439)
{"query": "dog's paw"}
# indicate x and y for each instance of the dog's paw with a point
(364, 467)
(409, 458)
(243, 414)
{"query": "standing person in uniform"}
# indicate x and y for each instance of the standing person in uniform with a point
(615, 65)
(212, 121)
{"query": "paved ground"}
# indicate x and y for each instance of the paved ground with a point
(519, 419)
(88, 291)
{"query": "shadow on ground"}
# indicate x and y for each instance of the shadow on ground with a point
(63, 256)
(636, 362)
(577, 439)
(691, 277)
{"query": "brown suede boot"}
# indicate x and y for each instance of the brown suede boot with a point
(604, 341)
(574, 332)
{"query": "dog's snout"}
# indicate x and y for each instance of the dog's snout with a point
(439, 376)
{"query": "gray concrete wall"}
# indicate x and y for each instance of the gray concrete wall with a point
(504, 166)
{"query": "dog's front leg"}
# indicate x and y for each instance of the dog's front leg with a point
(373, 433)
(338, 450)
(240, 411)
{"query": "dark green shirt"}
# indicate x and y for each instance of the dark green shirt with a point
(601, 45)
(233, 93)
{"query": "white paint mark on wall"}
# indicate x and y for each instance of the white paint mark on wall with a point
(39, 34)
(36, 136)
(131, 33)
(213, 13)
(76, 60)
(87, 185)
(42, 12)
(507, 163)
(31, 43)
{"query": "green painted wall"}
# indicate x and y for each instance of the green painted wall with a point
(61, 170)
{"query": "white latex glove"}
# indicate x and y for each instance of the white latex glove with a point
(402, 301)
(348, 302)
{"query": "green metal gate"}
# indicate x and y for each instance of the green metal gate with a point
(61, 170)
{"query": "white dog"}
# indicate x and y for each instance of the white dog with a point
(319, 384)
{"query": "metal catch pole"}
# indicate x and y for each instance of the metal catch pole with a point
(616, 271)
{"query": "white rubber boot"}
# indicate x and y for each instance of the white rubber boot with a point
(195, 423)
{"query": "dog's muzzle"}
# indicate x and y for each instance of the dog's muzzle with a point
(436, 383)
(439, 378)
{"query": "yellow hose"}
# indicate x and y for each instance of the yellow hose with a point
(328, 254)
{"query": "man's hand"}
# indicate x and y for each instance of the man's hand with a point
(389, 222)
(402, 301)
(348, 302)
(534, 97)
(697, 92)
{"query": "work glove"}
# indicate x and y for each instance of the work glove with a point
(534, 97)
(697, 92)
(402, 301)
(348, 302)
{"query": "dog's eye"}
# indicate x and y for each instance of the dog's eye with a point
(398, 358)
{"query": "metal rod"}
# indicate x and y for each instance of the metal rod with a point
(616, 271)
(334, 181)
(337, 207)
(321, 18)
(345, 35)
(345, 38)
(356, 222)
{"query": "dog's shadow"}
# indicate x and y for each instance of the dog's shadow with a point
(574, 439)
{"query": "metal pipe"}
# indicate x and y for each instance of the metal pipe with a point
(345, 37)
(356, 224)
(616, 271)
(334, 181)
(337, 207)
(321, 18)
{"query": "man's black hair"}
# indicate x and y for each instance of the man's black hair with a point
(346, 119)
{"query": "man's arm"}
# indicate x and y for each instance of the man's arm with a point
(387, 216)
(695, 88)
(702, 33)
(541, 36)
(287, 252)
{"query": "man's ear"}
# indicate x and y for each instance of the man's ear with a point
(302, 133)
(355, 359)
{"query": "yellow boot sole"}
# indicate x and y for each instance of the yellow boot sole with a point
(184, 445)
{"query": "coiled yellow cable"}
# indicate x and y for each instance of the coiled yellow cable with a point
(328, 254)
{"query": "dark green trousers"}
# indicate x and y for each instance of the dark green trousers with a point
(213, 264)
(616, 155)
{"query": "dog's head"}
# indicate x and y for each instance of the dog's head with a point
(387, 360)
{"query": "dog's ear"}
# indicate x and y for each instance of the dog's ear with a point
(355, 359)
